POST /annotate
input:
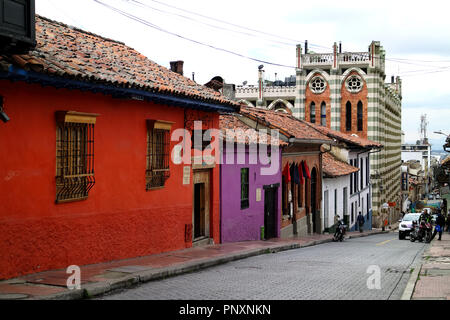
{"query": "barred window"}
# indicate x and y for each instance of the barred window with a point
(158, 153)
(74, 155)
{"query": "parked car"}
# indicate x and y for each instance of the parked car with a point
(433, 219)
(405, 225)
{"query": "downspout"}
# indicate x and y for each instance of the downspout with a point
(321, 178)
(370, 180)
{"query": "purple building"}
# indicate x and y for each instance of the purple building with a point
(250, 191)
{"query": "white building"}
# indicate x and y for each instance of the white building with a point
(347, 188)
(346, 92)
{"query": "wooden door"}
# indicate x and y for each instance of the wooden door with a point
(201, 205)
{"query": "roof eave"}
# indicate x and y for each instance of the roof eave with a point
(17, 74)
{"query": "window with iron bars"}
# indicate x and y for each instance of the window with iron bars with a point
(158, 154)
(74, 155)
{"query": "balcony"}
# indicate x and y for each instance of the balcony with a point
(327, 59)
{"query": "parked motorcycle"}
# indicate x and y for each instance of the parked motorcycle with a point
(340, 232)
(414, 234)
(421, 231)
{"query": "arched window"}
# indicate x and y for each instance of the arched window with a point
(323, 114)
(312, 112)
(360, 116)
(348, 116)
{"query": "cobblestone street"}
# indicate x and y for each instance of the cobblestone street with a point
(328, 271)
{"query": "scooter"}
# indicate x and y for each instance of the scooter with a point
(340, 232)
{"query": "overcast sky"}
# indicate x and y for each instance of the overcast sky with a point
(414, 34)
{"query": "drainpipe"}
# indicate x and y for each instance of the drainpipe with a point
(370, 180)
(321, 177)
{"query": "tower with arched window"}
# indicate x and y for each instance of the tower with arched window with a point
(345, 91)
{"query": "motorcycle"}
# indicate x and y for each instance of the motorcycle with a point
(421, 232)
(414, 234)
(340, 232)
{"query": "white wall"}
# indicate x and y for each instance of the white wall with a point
(413, 155)
(330, 185)
(359, 196)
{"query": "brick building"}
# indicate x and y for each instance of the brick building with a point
(344, 91)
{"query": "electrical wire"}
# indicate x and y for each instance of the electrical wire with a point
(151, 25)
(138, 3)
(435, 69)
(225, 22)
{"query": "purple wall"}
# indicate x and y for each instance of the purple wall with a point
(245, 224)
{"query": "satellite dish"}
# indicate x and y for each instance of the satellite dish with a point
(260, 67)
(244, 83)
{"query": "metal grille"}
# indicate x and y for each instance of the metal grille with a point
(74, 161)
(157, 158)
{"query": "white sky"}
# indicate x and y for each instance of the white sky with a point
(417, 31)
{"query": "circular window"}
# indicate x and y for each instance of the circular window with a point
(354, 84)
(317, 85)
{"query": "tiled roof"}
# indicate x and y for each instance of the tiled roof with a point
(68, 52)
(244, 132)
(285, 123)
(348, 138)
(333, 167)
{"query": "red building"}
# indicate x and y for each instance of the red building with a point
(86, 173)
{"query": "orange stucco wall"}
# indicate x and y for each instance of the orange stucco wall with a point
(120, 219)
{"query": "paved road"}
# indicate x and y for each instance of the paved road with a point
(330, 271)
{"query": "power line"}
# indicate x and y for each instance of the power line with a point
(151, 25)
(147, 23)
(138, 3)
(226, 22)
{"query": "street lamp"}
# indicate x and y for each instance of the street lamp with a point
(447, 141)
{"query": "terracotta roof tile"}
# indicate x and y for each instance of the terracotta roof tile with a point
(286, 123)
(76, 54)
(352, 139)
(244, 132)
(332, 167)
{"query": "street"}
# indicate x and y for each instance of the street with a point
(330, 271)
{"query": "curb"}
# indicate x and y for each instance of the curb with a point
(410, 286)
(90, 291)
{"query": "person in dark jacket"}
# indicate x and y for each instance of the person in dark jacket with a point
(360, 221)
(440, 223)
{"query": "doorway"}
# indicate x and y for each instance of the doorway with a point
(200, 214)
(270, 211)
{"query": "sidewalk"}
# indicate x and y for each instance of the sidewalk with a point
(433, 280)
(102, 278)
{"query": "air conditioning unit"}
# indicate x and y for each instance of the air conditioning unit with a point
(17, 26)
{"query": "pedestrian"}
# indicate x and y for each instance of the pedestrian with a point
(448, 222)
(360, 221)
(440, 223)
(336, 219)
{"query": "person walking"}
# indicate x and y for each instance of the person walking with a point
(440, 223)
(448, 222)
(360, 221)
